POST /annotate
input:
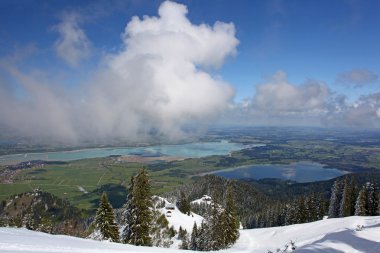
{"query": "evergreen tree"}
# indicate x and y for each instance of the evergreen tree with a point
(181, 233)
(361, 203)
(354, 194)
(194, 238)
(105, 220)
(311, 207)
(204, 237)
(321, 207)
(335, 200)
(231, 224)
(372, 199)
(129, 214)
(301, 211)
(137, 231)
(160, 231)
(347, 199)
(184, 204)
(214, 229)
(172, 231)
(185, 240)
(290, 216)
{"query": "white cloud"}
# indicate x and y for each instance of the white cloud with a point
(279, 102)
(357, 77)
(280, 97)
(363, 112)
(157, 82)
(73, 45)
(156, 86)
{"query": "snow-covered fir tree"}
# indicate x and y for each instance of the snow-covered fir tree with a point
(105, 220)
(290, 217)
(184, 237)
(301, 211)
(129, 213)
(138, 211)
(194, 238)
(230, 221)
(367, 202)
(336, 198)
(347, 205)
(184, 204)
(160, 232)
(361, 203)
(372, 199)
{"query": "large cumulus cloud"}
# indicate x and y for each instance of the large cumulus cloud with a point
(364, 112)
(156, 85)
(279, 97)
(280, 102)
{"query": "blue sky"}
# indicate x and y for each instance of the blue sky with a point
(307, 39)
(315, 50)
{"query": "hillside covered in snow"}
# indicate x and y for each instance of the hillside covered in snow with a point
(331, 235)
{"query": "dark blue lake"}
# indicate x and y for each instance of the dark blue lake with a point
(299, 171)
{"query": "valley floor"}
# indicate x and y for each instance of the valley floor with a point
(331, 235)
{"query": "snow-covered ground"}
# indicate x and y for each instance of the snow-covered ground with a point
(178, 219)
(204, 200)
(331, 235)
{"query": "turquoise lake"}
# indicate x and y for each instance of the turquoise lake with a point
(189, 150)
(301, 172)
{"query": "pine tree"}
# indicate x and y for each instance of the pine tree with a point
(354, 194)
(194, 238)
(301, 211)
(185, 240)
(290, 216)
(181, 233)
(214, 226)
(311, 207)
(372, 199)
(184, 204)
(321, 207)
(204, 237)
(361, 203)
(105, 220)
(129, 213)
(335, 200)
(172, 231)
(160, 231)
(346, 203)
(231, 226)
(139, 214)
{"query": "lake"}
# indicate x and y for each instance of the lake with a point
(189, 150)
(301, 172)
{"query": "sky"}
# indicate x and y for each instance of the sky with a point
(71, 71)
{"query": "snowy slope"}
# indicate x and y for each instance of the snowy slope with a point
(177, 219)
(204, 200)
(332, 235)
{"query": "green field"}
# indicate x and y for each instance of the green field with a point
(83, 181)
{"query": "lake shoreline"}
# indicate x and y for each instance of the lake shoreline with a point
(284, 171)
(187, 150)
